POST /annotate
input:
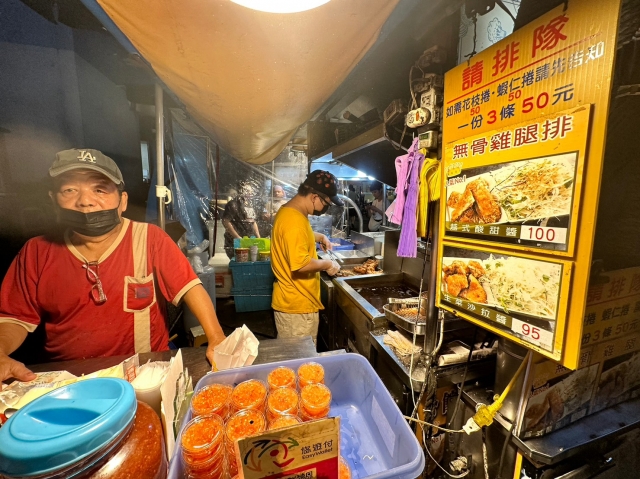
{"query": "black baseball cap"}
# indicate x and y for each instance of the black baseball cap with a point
(325, 183)
(89, 159)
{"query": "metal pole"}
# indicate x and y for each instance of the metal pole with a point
(432, 311)
(160, 155)
(350, 201)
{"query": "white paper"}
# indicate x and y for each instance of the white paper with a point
(239, 349)
(168, 392)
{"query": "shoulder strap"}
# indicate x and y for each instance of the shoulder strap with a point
(141, 319)
(139, 237)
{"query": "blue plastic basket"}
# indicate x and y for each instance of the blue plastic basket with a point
(257, 299)
(251, 275)
(345, 245)
(374, 437)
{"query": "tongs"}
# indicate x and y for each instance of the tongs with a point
(333, 256)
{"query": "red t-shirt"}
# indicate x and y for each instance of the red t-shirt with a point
(48, 283)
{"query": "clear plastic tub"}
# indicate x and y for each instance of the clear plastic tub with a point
(250, 394)
(282, 377)
(315, 402)
(284, 421)
(281, 402)
(213, 399)
(375, 439)
(310, 373)
(202, 445)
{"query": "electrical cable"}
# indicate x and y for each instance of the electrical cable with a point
(503, 454)
(419, 421)
(485, 460)
(415, 404)
(465, 474)
(464, 377)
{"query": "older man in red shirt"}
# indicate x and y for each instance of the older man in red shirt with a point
(100, 287)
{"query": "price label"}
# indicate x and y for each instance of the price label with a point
(544, 234)
(533, 334)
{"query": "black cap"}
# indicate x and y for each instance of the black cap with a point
(68, 160)
(325, 183)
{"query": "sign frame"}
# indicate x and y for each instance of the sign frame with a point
(562, 303)
(575, 45)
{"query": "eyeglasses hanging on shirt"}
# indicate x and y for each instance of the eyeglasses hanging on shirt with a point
(97, 293)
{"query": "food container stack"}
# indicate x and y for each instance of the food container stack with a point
(222, 415)
(239, 403)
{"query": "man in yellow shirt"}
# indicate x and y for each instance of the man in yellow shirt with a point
(295, 263)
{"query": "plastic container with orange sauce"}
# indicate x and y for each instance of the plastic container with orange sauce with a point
(282, 401)
(281, 377)
(284, 421)
(250, 394)
(202, 444)
(344, 472)
(315, 402)
(310, 373)
(212, 399)
(242, 424)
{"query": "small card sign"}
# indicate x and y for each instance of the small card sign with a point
(306, 451)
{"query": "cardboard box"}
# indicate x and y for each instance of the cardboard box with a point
(619, 378)
(613, 307)
(197, 337)
(554, 396)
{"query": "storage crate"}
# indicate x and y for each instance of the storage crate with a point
(344, 245)
(375, 439)
(251, 275)
(256, 299)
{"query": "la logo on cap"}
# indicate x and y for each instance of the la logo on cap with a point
(86, 156)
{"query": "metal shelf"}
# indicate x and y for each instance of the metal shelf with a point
(589, 433)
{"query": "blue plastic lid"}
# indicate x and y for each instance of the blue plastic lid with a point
(65, 426)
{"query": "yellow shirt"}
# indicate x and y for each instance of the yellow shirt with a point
(293, 246)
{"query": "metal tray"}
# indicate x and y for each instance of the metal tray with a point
(402, 322)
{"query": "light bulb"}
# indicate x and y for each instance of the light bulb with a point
(281, 6)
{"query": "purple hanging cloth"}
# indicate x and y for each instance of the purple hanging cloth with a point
(408, 245)
(402, 174)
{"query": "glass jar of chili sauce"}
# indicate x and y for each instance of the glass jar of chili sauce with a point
(93, 429)
(242, 424)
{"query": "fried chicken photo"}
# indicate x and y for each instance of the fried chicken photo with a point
(456, 283)
(475, 292)
(486, 204)
(476, 269)
(453, 200)
(464, 203)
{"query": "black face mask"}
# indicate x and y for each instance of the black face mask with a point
(324, 209)
(96, 223)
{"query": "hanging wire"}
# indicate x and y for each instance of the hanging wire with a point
(475, 37)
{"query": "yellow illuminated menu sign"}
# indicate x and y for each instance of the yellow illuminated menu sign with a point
(518, 186)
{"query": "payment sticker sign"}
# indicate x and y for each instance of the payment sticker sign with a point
(518, 185)
(306, 451)
(516, 296)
